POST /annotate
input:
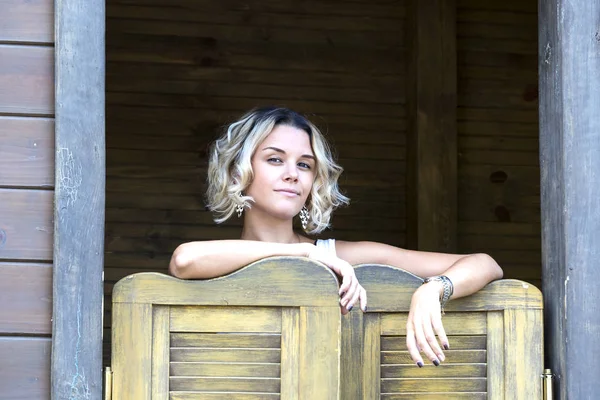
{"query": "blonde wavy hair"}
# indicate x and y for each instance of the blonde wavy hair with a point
(230, 168)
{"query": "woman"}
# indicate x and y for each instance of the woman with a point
(274, 164)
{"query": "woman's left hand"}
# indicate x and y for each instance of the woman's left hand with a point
(424, 323)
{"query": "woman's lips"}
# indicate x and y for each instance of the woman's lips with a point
(289, 193)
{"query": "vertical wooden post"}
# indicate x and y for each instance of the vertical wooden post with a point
(431, 102)
(79, 202)
(569, 65)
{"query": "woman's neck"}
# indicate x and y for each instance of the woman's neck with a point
(265, 229)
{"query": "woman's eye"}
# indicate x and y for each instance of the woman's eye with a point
(275, 160)
(304, 165)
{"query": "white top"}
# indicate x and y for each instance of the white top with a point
(327, 245)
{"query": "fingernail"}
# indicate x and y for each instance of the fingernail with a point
(350, 308)
(446, 346)
(436, 363)
(419, 364)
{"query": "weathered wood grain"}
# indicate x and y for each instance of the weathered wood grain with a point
(251, 288)
(25, 368)
(26, 79)
(79, 205)
(26, 228)
(432, 133)
(26, 293)
(27, 152)
(27, 21)
(569, 125)
(160, 353)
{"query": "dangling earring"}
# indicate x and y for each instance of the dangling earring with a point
(304, 217)
(239, 208)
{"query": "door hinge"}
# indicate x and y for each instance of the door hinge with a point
(547, 385)
(108, 383)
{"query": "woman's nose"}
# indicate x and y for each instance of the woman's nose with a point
(291, 173)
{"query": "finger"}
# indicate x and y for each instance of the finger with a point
(441, 332)
(411, 345)
(354, 298)
(363, 299)
(432, 340)
(346, 284)
(423, 343)
(352, 292)
(343, 309)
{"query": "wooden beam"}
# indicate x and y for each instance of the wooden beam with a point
(431, 150)
(569, 44)
(79, 201)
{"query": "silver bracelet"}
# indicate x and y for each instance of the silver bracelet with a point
(448, 288)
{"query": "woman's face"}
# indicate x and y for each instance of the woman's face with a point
(284, 170)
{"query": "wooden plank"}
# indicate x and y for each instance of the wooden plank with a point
(27, 80)
(263, 14)
(26, 228)
(231, 355)
(26, 292)
(432, 94)
(132, 351)
(352, 343)
(225, 319)
(390, 290)
(433, 385)
(496, 359)
(256, 55)
(524, 354)
(276, 281)
(239, 370)
(569, 126)
(268, 385)
(160, 353)
(371, 363)
(385, 9)
(27, 152)
(452, 357)
(435, 396)
(79, 55)
(222, 396)
(471, 342)
(464, 323)
(314, 80)
(290, 353)
(27, 21)
(430, 371)
(25, 372)
(319, 361)
(225, 340)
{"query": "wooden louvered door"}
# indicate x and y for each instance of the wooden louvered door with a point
(495, 343)
(269, 331)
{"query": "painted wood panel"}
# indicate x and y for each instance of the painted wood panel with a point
(27, 152)
(27, 80)
(27, 21)
(26, 228)
(26, 293)
(25, 369)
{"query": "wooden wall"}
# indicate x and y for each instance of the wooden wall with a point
(26, 196)
(498, 157)
(177, 71)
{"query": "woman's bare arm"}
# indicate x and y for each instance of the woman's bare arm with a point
(468, 273)
(210, 259)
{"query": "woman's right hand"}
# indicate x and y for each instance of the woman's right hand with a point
(350, 290)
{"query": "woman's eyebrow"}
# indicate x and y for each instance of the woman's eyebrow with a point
(283, 152)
